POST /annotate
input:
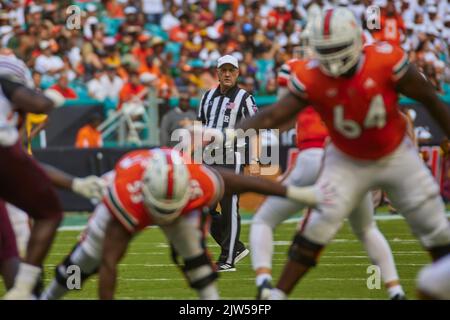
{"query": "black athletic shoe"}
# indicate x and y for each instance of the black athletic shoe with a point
(241, 255)
(225, 267)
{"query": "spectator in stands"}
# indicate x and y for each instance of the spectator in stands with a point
(143, 49)
(279, 16)
(36, 80)
(62, 87)
(111, 84)
(133, 91)
(47, 63)
(90, 21)
(92, 50)
(89, 136)
(181, 116)
(96, 90)
(132, 23)
(166, 84)
(248, 84)
(169, 19)
(153, 10)
(392, 25)
(115, 8)
(179, 33)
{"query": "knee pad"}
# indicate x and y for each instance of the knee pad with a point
(304, 251)
(429, 223)
(199, 271)
(320, 227)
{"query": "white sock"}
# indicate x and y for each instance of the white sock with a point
(209, 292)
(380, 253)
(261, 245)
(277, 294)
(260, 278)
(27, 277)
(396, 290)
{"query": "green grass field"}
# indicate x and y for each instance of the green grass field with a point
(148, 273)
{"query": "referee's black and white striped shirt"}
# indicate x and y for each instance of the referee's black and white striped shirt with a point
(223, 111)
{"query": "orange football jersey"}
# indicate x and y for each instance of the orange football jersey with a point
(391, 30)
(125, 201)
(311, 132)
(361, 112)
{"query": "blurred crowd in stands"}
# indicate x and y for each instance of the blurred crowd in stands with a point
(111, 51)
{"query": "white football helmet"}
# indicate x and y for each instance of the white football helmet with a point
(336, 40)
(166, 185)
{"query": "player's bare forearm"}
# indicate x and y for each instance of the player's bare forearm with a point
(241, 184)
(30, 101)
(114, 247)
(59, 178)
(415, 86)
(275, 115)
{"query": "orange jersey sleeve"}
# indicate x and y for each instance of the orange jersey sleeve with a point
(299, 79)
(285, 72)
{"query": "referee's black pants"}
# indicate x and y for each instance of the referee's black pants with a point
(226, 226)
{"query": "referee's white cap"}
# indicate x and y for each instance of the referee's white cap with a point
(227, 59)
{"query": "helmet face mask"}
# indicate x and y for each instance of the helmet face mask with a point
(336, 40)
(165, 185)
(336, 61)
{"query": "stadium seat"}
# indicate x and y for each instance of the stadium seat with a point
(156, 30)
(111, 25)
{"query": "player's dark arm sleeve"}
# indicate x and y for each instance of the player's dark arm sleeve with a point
(415, 86)
(241, 184)
(59, 178)
(275, 115)
(25, 99)
(114, 247)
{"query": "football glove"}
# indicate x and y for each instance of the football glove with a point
(91, 187)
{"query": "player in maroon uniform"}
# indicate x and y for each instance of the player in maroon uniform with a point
(24, 184)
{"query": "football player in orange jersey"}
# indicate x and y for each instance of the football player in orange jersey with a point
(311, 136)
(156, 187)
(355, 90)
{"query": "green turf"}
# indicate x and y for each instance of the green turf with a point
(147, 271)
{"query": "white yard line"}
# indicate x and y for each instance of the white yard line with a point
(248, 221)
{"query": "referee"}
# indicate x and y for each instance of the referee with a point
(222, 107)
